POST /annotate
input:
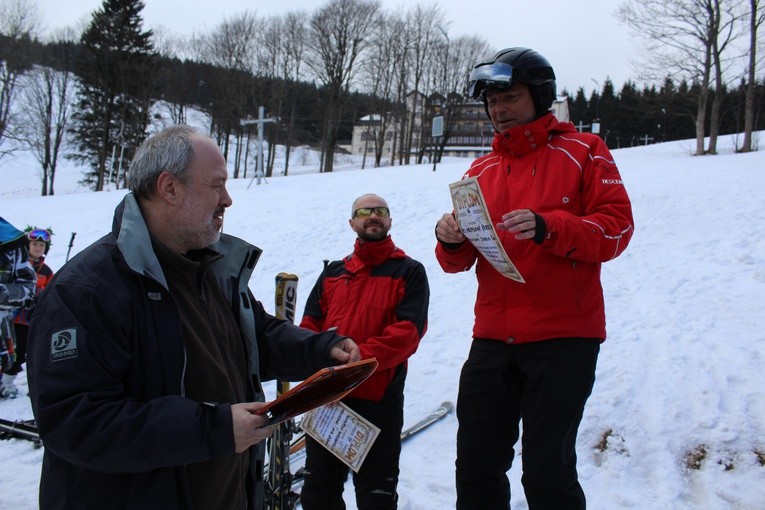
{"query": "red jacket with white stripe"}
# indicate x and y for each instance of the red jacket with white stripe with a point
(378, 296)
(571, 181)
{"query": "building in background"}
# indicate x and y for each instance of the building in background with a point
(466, 126)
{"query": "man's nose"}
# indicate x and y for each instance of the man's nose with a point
(225, 199)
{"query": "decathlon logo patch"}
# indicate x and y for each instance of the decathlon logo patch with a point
(63, 345)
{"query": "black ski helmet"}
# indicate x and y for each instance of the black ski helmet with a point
(511, 66)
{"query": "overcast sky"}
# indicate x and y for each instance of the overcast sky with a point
(581, 38)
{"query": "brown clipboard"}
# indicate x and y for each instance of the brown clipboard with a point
(324, 387)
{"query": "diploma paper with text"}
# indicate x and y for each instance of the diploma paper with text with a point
(343, 432)
(474, 221)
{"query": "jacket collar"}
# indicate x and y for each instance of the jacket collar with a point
(134, 242)
(520, 140)
(369, 254)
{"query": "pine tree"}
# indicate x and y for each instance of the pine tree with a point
(117, 71)
(578, 111)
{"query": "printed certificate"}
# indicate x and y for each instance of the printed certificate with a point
(475, 223)
(343, 432)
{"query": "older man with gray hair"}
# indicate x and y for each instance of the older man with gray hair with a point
(147, 350)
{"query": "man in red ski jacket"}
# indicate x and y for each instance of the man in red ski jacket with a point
(379, 297)
(560, 209)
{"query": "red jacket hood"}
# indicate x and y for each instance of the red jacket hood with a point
(520, 140)
(366, 253)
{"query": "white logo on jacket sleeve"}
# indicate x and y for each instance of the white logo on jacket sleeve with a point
(63, 345)
(612, 181)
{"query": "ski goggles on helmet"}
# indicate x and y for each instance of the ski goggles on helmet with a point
(499, 76)
(365, 212)
(494, 75)
(39, 234)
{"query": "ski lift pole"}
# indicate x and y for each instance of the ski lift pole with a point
(71, 243)
(260, 121)
(437, 132)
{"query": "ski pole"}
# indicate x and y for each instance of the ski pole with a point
(71, 242)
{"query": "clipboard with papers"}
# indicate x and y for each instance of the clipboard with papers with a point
(328, 385)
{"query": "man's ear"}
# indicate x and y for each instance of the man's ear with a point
(169, 188)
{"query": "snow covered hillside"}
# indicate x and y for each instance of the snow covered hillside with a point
(677, 416)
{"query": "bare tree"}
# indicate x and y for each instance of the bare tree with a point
(756, 19)
(48, 96)
(174, 77)
(269, 54)
(380, 73)
(231, 43)
(725, 19)
(281, 44)
(338, 35)
(19, 21)
(465, 52)
(403, 77)
(294, 46)
(686, 38)
(423, 22)
(231, 47)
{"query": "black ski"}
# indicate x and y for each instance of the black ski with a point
(19, 429)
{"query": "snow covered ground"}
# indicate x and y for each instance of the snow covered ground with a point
(677, 417)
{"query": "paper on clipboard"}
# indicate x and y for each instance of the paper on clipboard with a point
(474, 221)
(342, 431)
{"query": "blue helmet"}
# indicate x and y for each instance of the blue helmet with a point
(511, 66)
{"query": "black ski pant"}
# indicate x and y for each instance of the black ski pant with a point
(546, 384)
(377, 479)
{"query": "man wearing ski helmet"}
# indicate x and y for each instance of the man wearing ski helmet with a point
(560, 209)
(511, 66)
